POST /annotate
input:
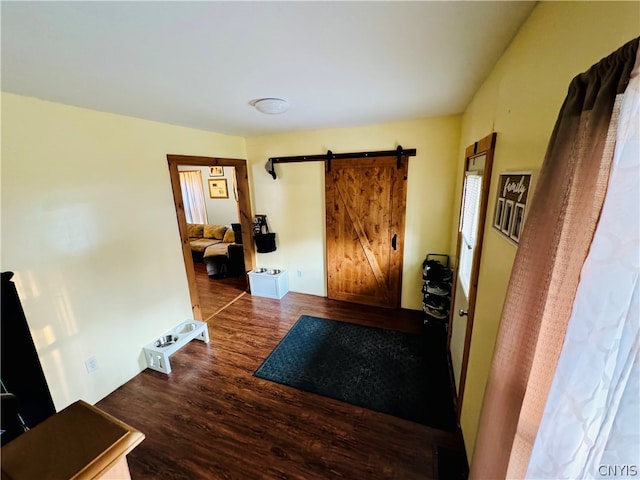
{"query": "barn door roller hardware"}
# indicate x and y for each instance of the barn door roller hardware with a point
(399, 152)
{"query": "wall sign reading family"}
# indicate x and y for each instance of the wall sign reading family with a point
(511, 204)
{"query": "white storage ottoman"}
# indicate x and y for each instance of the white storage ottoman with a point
(269, 282)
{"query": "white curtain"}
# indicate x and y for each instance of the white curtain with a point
(235, 185)
(193, 196)
(591, 422)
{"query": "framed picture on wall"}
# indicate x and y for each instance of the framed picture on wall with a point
(507, 219)
(216, 171)
(518, 221)
(218, 188)
(499, 215)
(511, 204)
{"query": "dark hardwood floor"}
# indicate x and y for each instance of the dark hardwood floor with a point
(212, 419)
(216, 293)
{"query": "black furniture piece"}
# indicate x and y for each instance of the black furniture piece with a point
(237, 233)
(26, 399)
(236, 253)
(235, 265)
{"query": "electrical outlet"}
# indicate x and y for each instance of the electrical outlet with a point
(91, 364)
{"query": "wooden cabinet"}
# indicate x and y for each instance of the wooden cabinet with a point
(80, 442)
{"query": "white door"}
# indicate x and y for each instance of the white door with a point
(467, 238)
(473, 210)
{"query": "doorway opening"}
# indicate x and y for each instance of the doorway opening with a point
(213, 210)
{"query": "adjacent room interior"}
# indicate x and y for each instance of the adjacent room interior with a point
(327, 289)
(212, 211)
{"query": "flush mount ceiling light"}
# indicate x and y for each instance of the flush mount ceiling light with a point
(271, 106)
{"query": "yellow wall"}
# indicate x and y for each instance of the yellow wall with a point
(89, 228)
(295, 205)
(520, 100)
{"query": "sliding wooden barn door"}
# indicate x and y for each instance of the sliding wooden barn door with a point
(365, 209)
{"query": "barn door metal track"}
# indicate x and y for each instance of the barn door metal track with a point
(399, 152)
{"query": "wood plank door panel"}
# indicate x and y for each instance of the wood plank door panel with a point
(365, 209)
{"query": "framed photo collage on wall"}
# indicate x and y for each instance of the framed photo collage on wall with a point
(511, 204)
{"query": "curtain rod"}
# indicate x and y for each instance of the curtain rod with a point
(398, 152)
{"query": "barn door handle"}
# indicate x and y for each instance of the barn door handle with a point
(394, 241)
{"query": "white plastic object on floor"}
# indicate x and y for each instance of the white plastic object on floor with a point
(157, 353)
(269, 282)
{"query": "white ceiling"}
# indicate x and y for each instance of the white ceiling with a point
(200, 64)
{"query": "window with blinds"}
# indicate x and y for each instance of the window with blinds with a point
(469, 227)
